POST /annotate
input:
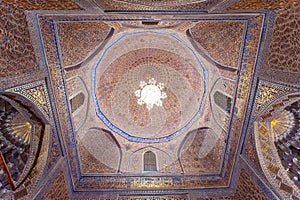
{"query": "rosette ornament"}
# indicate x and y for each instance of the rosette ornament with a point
(150, 93)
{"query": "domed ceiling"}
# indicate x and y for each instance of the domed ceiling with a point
(150, 102)
(149, 59)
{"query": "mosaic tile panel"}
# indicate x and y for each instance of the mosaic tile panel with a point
(36, 92)
(246, 188)
(57, 190)
(221, 40)
(285, 46)
(43, 5)
(17, 54)
(195, 156)
(78, 40)
(268, 92)
(259, 5)
(249, 59)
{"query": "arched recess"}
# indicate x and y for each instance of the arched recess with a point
(277, 134)
(201, 151)
(79, 101)
(149, 161)
(99, 152)
(164, 161)
(221, 101)
(24, 135)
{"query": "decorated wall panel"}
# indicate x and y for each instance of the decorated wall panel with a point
(104, 150)
(17, 53)
(247, 188)
(281, 61)
(202, 152)
(227, 52)
(70, 33)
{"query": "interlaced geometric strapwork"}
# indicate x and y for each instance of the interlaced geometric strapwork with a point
(288, 142)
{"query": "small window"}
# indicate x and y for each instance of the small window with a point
(223, 101)
(150, 23)
(149, 161)
(77, 101)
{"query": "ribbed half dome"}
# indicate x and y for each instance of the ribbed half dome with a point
(282, 124)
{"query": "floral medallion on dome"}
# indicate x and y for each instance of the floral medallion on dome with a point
(150, 93)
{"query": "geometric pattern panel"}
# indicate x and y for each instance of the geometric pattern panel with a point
(284, 46)
(58, 188)
(78, 40)
(246, 188)
(208, 35)
(267, 92)
(37, 93)
(17, 53)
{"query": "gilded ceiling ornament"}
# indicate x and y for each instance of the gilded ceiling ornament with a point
(268, 91)
(35, 92)
(150, 93)
(283, 124)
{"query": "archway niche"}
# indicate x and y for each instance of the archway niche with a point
(150, 161)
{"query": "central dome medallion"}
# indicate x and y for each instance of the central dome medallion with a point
(150, 93)
(148, 86)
